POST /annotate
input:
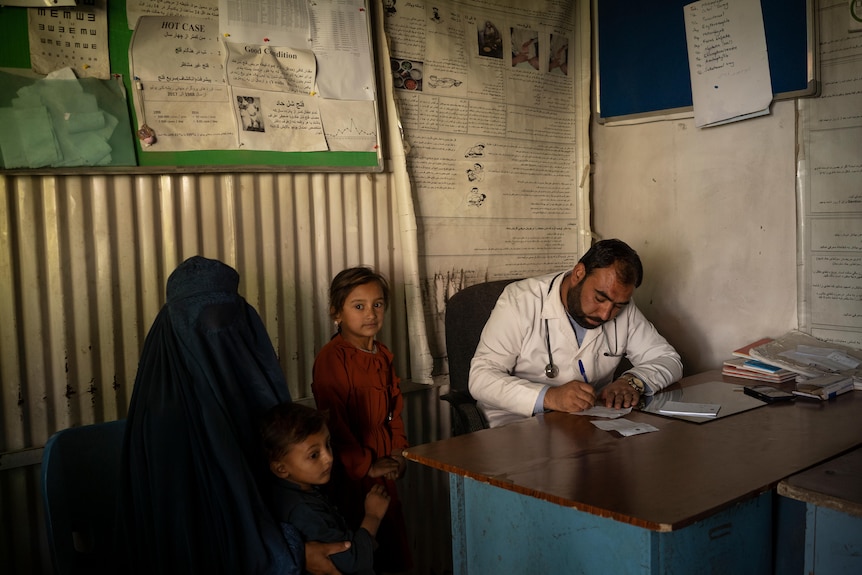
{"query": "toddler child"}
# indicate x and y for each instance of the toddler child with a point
(296, 442)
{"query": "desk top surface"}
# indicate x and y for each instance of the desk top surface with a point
(835, 484)
(663, 480)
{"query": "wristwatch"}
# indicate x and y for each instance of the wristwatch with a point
(635, 382)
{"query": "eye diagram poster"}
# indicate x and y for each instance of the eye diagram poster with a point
(73, 37)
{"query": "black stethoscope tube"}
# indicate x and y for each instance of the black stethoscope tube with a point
(551, 370)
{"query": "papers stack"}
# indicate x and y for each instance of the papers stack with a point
(756, 370)
(745, 366)
(809, 356)
(803, 355)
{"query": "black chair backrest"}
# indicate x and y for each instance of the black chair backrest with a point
(466, 314)
(80, 489)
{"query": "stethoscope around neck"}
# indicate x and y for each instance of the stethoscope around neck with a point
(552, 370)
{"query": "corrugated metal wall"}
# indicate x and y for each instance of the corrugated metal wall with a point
(83, 266)
(84, 261)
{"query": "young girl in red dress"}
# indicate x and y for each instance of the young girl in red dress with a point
(354, 379)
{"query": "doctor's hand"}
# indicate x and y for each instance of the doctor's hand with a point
(620, 394)
(570, 397)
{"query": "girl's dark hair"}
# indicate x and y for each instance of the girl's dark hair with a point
(287, 424)
(346, 280)
(607, 253)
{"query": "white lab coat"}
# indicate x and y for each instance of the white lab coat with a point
(508, 369)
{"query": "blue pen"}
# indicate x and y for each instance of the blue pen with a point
(583, 371)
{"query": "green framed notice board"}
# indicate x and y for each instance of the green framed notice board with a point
(15, 54)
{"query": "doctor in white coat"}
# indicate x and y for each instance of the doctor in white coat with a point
(553, 343)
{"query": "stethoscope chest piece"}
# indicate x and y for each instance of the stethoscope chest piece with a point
(551, 369)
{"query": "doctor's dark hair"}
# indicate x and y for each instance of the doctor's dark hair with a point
(606, 253)
(287, 424)
(347, 280)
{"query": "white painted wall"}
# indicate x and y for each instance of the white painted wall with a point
(712, 213)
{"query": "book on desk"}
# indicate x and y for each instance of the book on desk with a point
(807, 355)
(824, 387)
(746, 366)
(745, 351)
(796, 355)
(751, 369)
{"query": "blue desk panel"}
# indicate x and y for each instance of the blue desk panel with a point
(497, 531)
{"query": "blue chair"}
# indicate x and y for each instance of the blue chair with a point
(80, 489)
(466, 314)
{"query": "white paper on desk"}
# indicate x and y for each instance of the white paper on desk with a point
(727, 61)
(623, 426)
(602, 411)
(690, 409)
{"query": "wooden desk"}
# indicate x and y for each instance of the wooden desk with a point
(554, 492)
(832, 495)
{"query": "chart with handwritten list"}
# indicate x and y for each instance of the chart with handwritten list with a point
(728, 61)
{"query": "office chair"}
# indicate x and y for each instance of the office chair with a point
(80, 489)
(466, 314)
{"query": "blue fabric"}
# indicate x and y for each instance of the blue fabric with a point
(194, 475)
(317, 519)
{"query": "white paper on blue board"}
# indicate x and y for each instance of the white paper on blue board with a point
(727, 61)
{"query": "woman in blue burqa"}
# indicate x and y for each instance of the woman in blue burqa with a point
(194, 476)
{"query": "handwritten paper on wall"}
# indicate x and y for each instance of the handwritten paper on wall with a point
(727, 61)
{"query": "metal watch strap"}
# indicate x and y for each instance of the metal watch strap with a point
(635, 382)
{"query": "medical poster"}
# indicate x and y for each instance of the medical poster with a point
(493, 98)
(829, 182)
(198, 86)
(74, 37)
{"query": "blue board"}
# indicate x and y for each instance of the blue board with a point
(643, 58)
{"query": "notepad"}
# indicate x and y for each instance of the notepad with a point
(690, 409)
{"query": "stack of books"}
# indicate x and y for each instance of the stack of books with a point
(745, 366)
(757, 370)
(825, 387)
(820, 369)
